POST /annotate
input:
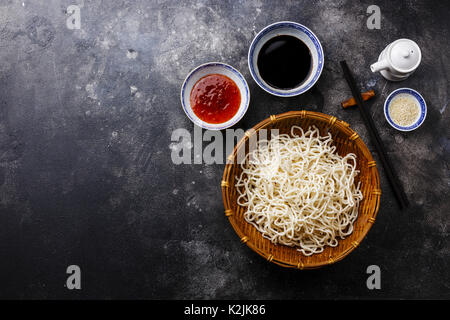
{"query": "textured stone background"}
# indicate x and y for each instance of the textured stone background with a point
(86, 118)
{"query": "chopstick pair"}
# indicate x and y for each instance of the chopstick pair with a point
(375, 137)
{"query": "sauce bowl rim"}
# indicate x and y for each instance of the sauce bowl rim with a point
(242, 109)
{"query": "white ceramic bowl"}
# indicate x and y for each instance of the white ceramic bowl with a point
(292, 29)
(214, 68)
(420, 103)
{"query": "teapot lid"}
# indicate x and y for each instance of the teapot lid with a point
(405, 55)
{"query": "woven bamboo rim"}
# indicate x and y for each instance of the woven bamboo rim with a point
(346, 141)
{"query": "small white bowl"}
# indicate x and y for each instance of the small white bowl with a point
(214, 68)
(420, 102)
(292, 29)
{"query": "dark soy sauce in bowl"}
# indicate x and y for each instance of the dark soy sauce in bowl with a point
(284, 62)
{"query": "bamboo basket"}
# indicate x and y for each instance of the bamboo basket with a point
(346, 141)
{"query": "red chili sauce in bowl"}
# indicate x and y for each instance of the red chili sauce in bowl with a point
(215, 98)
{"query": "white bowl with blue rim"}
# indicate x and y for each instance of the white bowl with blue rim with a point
(214, 68)
(417, 98)
(291, 29)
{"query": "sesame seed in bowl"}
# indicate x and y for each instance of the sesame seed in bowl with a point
(405, 109)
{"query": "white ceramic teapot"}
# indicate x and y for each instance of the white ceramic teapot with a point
(398, 60)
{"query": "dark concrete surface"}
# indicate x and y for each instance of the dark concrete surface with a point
(86, 177)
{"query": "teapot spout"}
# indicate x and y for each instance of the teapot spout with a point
(380, 65)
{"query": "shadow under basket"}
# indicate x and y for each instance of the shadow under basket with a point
(346, 141)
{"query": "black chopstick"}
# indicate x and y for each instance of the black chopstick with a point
(388, 168)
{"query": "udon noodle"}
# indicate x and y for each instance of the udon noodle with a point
(298, 191)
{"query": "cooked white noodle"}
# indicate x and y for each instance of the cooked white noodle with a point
(298, 191)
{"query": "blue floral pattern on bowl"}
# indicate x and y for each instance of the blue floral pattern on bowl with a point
(417, 97)
(318, 48)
